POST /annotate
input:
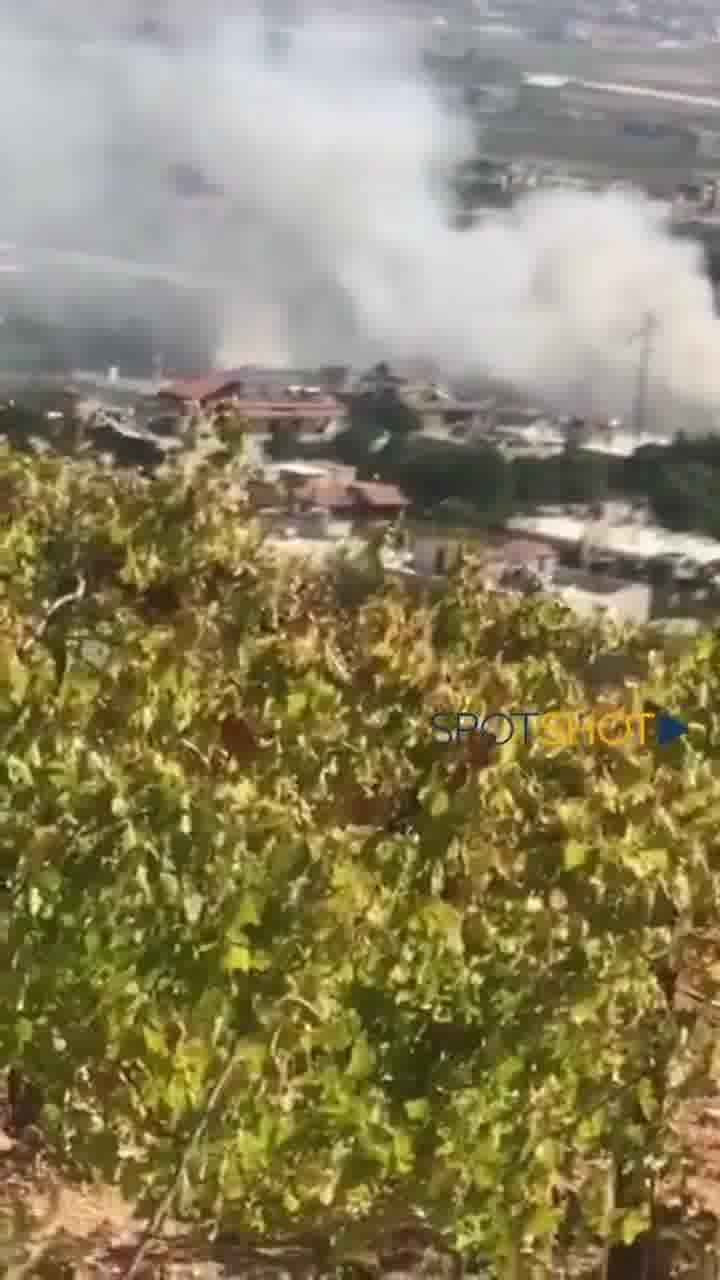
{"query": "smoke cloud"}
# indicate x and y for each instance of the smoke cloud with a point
(320, 231)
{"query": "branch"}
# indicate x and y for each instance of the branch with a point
(166, 1203)
(190, 746)
(697, 998)
(301, 1002)
(56, 607)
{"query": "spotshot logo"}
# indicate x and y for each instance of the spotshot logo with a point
(562, 727)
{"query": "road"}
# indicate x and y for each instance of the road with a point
(18, 259)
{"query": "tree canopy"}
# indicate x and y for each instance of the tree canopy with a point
(680, 480)
(241, 882)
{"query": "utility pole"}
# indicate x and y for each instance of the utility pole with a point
(646, 336)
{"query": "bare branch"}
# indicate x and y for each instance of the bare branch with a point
(56, 607)
(168, 1200)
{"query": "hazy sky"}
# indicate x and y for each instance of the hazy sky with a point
(333, 240)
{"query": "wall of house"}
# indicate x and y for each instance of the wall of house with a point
(542, 566)
(631, 603)
(669, 602)
(262, 493)
(436, 552)
(432, 420)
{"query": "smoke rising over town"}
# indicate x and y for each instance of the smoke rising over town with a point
(331, 240)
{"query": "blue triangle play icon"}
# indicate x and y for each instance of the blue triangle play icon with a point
(667, 728)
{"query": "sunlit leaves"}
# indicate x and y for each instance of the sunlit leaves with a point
(362, 1060)
(229, 837)
(633, 1223)
(575, 855)
(14, 676)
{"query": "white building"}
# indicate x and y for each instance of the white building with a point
(620, 443)
(537, 559)
(617, 536)
(586, 593)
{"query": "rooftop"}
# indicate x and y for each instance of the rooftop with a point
(620, 444)
(524, 550)
(255, 396)
(300, 468)
(538, 433)
(338, 493)
(635, 541)
(599, 584)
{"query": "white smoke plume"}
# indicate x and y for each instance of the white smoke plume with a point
(332, 240)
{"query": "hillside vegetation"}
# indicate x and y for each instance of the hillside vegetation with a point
(273, 957)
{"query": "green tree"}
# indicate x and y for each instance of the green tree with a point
(572, 476)
(432, 471)
(282, 445)
(382, 407)
(264, 943)
(686, 496)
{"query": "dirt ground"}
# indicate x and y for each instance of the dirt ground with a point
(64, 1230)
(84, 1232)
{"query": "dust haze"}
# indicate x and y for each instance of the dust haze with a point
(320, 231)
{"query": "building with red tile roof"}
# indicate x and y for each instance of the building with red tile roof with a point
(525, 552)
(205, 390)
(262, 407)
(522, 557)
(358, 497)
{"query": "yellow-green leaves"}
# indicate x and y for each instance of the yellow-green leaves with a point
(438, 802)
(231, 845)
(362, 1060)
(633, 1224)
(238, 958)
(194, 904)
(575, 855)
(297, 704)
(14, 675)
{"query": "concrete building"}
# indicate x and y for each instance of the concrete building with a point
(301, 489)
(298, 407)
(615, 442)
(618, 536)
(586, 593)
(534, 558)
(539, 438)
(361, 500)
(524, 564)
(436, 552)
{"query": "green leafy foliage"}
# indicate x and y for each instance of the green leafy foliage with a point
(230, 849)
